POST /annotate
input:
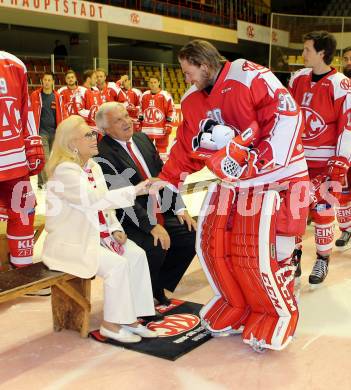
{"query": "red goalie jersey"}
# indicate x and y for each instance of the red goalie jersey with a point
(243, 93)
(327, 108)
(157, 109)
(16, 117)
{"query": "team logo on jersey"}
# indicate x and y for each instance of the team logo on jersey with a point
(10, 118)
(315, 125)
(174, 324)
(251, 66)
(153, 115)
(345, 84)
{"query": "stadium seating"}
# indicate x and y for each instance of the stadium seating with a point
(173, 77)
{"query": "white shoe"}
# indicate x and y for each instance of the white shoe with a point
(44, 292)
(123, 335)
(141, 331)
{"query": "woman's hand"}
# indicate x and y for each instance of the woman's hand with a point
(156, 185)
(143, 187)
(120, 237)
(151, 185)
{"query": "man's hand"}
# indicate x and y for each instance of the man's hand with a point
(120, 237)
(160, 234)
(185, 217)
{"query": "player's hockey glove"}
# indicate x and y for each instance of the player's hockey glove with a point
(35, 154)
(337, 173)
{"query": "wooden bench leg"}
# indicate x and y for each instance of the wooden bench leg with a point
(70, 302)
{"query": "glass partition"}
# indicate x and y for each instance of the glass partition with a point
(286, 39)
(170, 75)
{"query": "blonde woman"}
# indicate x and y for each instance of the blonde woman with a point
(84, 237)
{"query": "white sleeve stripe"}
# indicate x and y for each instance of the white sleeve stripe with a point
(31, 127)
(282, 142)
(344, 144)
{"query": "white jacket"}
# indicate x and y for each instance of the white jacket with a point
(72, 205)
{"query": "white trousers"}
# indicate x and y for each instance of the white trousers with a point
(127, 284)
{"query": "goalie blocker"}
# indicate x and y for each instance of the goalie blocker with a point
(246, 255)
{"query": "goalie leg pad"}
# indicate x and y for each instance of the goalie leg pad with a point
(264, 282)
(227, 310)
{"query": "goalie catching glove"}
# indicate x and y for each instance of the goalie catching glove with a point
(212, 137)
(35, 154)
(238, 160)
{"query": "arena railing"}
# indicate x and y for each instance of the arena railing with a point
(170, 75)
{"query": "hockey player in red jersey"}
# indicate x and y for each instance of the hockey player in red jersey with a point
(157, 114)
(325, 100)
(92, 98)
(133, 96)
(73, 96)
(343, 213)
(241, 115)
(21, 155)
(109, 91)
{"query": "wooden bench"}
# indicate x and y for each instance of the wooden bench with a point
(70, 296)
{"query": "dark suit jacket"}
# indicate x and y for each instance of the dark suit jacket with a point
(120, 171)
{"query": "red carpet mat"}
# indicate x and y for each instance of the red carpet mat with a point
(180, 332)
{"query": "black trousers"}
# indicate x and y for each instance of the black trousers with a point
(166, 267)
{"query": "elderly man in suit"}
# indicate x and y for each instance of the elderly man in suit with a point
(160, 223)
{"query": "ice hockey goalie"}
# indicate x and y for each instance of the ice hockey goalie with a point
(245, 126)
